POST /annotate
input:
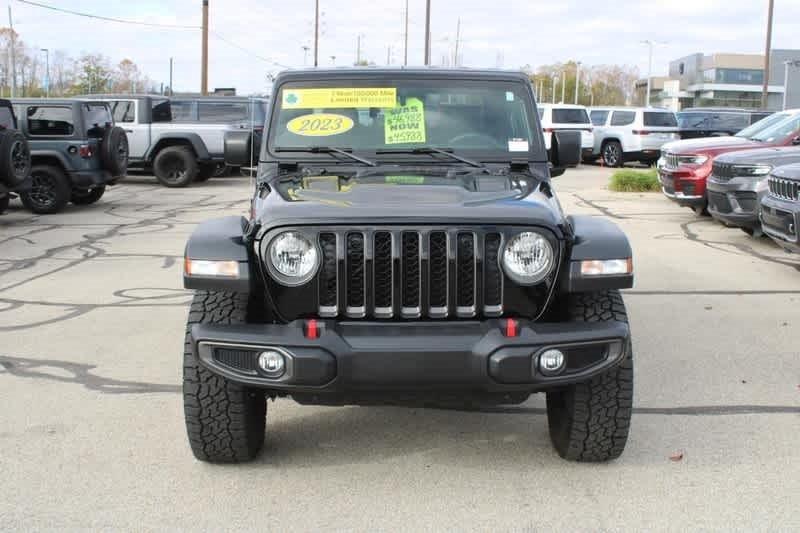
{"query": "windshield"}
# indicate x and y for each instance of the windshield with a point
(779, 131)
(486, 118)
(762, 125)
(709, 120)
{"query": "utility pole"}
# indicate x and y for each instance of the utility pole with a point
(563, 85)
(427, 32)
(316, 33)
(405, 38)
(577, 80)
(170, 77)
(458, 38)
(204, 66)
(46, 72)
(13, 56)
(767, 52)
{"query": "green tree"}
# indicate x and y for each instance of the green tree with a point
(94, 74)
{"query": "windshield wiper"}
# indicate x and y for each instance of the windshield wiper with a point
(430, 150)
(328, 150)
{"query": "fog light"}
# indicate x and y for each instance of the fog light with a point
(272, 363)
(552, 362)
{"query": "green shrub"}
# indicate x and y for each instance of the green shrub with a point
(627, 180)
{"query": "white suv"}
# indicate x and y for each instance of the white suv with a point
(566, 117)
(624, 134)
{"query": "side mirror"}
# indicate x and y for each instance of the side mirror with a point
(565, 151)
(239, 148)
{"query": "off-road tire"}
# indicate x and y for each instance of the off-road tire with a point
(114, 151)
(15, 158)
(612, 154)
(87, 196)
(205, 173)
(5, 199)
(175, 166)
(225, 421)
(50, 190)
(589, 421)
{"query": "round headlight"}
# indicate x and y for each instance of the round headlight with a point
(527, 258)
(293, 258)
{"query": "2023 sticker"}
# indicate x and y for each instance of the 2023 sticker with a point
(320, 125)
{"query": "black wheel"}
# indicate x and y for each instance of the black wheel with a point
(114, 151)
(612, 154)
(755, 233)
(225, 421)
(589, 421)
(175, 166)
(50, 190)
(4, 201)
(87, 196)
(15, 158)
(205, 173)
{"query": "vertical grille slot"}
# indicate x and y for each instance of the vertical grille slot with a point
(410, 274)
(493, 277)
(328, 281)
(465, 275)
(437, 241)
(383, 275)
(355, 275)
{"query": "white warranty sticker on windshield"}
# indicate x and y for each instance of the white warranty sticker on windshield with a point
(518, 145)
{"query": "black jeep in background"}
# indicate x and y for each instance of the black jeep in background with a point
(696, 122)
(406, 246)
(75, 148)
(15, 156)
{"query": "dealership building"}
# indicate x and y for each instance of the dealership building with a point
(726, 80)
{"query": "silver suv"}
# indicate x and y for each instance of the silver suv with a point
(623, 134)
(181, 140)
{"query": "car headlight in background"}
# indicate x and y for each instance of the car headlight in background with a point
(292, 258)
(692, 159)
(528, 258)
(752, 170)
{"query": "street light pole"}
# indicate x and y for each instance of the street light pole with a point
(555, 82)
(316, 33)
(767, 52)
(563, 85)
(427, 32)
(649, 44)
(204, 65)
(577, 80)
(46, 72)
(405, 39)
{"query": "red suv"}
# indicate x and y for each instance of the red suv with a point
(685, 165)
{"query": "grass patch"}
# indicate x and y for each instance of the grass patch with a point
(628, 180)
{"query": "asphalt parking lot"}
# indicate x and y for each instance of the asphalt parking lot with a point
(92, 314)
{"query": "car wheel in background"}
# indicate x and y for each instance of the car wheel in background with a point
(50, 190)
(114, 151)
(15, 158)
(612, 154)
(175, 166)
(87, 196)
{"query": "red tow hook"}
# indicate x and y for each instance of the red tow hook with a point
(511, 328)
(312, 329)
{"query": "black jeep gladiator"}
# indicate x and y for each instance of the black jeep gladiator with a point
(405, 246)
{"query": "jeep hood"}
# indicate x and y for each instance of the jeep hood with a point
(394, 199)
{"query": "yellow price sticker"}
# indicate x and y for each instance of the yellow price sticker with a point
(320, 125)
(353, 97)
(405, 124)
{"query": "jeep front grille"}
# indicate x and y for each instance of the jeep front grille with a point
(722, 171)
(784, 189)
(671, 160)
(411, 273)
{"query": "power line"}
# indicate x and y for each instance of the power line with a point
(151, 24)
(108, 19)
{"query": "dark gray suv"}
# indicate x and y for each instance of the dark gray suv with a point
(738, 182)
(76, 151)
(15, 156)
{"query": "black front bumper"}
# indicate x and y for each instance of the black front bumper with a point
(780, 220)
(382, 357)
(736, 202)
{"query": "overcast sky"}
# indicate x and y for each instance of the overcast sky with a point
(508, 33)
